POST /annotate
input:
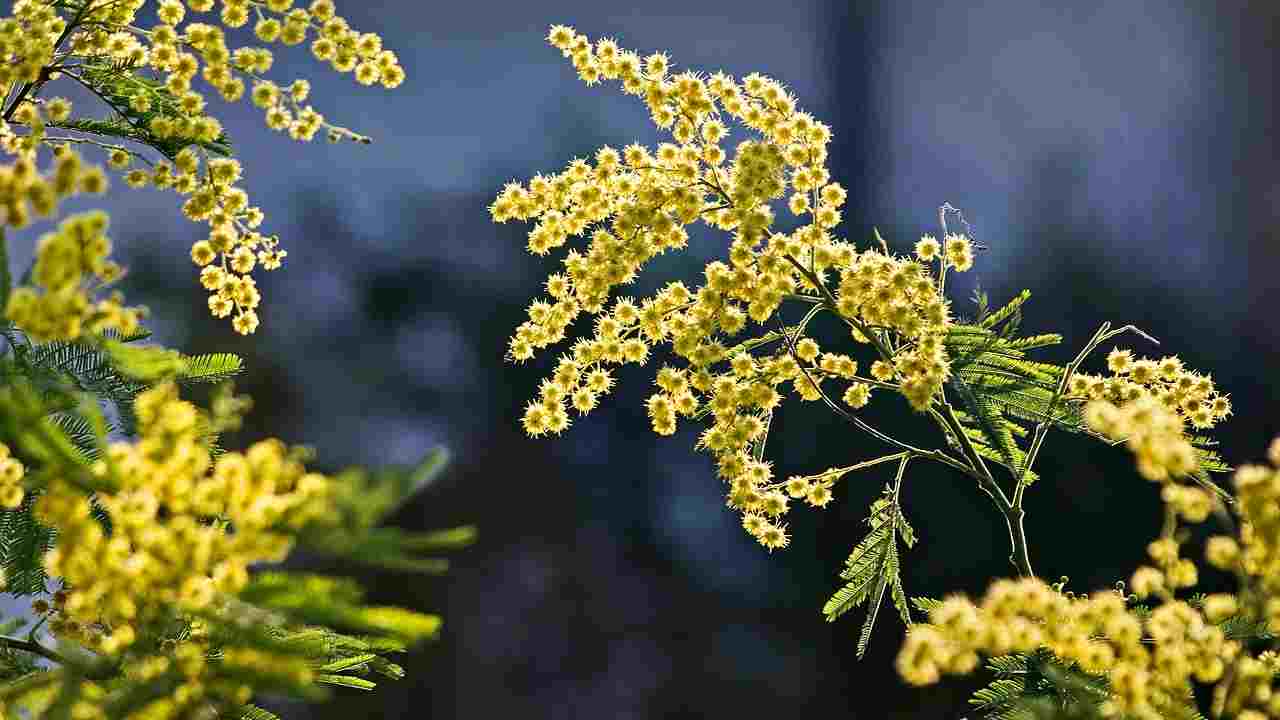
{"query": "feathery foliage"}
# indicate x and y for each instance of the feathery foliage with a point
(873, 566)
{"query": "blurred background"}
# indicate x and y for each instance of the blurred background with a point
(1118, 159)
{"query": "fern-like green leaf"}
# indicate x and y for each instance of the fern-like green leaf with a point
(23, 543)
(886, 574)
(925, 605)
(253, 712)
(211, 368)
(1007, 312)
(872, 568)
(346, 681)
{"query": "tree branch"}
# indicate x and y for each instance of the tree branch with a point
(33, 647)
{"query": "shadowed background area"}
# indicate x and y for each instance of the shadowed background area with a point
(1116, 157)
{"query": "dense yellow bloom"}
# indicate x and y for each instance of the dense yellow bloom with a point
(71, 265)
(177, 51)
(165, 488)
(25, 191)
(11, 474)
(1148, 404)
(1151, 659)
(738, 148)
(1152, 431)
(185, 528)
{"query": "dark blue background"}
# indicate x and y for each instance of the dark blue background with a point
(1117, 157)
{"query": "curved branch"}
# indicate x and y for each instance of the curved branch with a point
(33, 647)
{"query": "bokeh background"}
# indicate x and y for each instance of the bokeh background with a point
(1117, 157)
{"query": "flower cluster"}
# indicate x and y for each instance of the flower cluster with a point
(1153, 432)
(71, 265)
(25, 191)
(11, 474)
(1258, 553)
(956, 252)
(184, 526)
(877, 290)
(1255, 558)
(1190, 394)
(1150, 660)
(632, 205)
(184, 529)
(148, 76)
(1148, 404)
(27, 40)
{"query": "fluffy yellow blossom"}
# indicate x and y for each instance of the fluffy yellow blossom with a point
(71, 265)
(1152, 657)
(159, 492)
(190, 59)
(1190, 395)
(1258, 493)
(737, 148)
(1152, 431)
(25, 191)
(1149, 404)
(11, 473)
(1098, 631)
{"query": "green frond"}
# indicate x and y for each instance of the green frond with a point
(79, 431)
(88, 367)
(211, 368)
(925, 605)
(143, 363)
(1010, 310)
(1002, 363)
(1037, 685)
(1033, 342)
(115, 83)
(1005, 666)
(362, 500)
(998, 695)
(335, 603)
(346, 681)
(347, 663)
(982, 302)
(873, 566)
(23, 544)
(450, 539)
(252, 712)
(986, 417)
(1239, 627)
(860, 571)
(899, 597)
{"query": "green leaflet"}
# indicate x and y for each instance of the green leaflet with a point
(1027, 685)
(23, 543)
(347, 663)
(925, 604)
(873, 566)
(336, 603)
(346, 681)
(252, 712)
(1011, 311)
(115, 83)
(986, 416)
(211, 368)
(999, 389)
(1239, 627)
(114, 370)
(1040, 686)
(363, 499)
